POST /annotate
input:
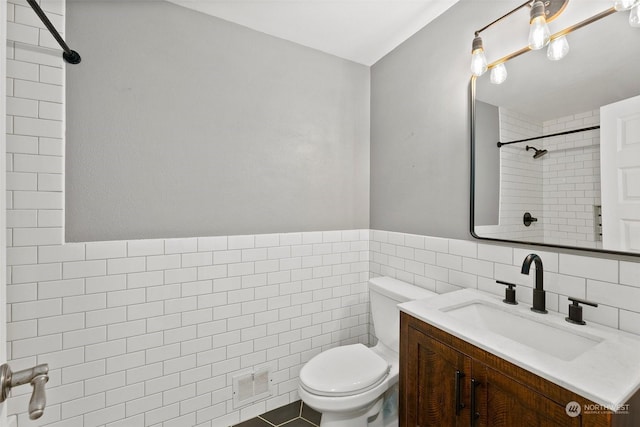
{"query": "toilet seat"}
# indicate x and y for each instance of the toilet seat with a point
(343, 371)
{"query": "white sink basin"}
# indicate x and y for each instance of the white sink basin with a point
(591, 360)
(552, 340)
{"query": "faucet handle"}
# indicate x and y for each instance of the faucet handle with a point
(575, 310)
(509, 293)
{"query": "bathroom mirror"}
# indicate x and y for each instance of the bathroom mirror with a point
(579, 190)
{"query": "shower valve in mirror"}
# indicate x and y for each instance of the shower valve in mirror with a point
(527, 219)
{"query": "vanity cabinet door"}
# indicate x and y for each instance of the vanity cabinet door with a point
(435, 383)
(504, 402)
(492, 393)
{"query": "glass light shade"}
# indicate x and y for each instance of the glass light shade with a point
(625, 4)
(558, 49)
(634, 17)
(498, 74)
(539, 33)
(478, 62)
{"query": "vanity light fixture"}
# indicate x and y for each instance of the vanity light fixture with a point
(539, 34)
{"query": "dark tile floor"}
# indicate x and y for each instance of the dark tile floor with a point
(295, 414)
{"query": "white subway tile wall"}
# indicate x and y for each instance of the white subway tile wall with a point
(124, 334)
(150, 332)
(571, 181)
(613, 284)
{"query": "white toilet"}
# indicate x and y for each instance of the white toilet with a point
(347, 384)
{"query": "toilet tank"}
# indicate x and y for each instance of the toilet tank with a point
(385, 294)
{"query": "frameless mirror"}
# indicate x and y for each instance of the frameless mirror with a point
(576, 190)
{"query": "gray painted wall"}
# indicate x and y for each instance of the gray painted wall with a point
(487, 179)
(180, 124)
(420, 126)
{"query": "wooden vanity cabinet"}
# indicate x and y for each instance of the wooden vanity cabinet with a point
(445, 381)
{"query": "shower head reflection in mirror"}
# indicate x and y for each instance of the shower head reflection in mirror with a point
(538, 153)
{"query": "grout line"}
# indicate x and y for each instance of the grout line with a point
(310, 422)
(292, 420)
(266, 421)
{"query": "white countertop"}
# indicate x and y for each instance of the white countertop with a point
(607, 374)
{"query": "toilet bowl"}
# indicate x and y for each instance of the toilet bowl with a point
(347, 383)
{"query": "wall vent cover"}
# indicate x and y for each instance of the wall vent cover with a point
(251, 386)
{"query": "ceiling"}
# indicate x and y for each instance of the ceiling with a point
(362, 31)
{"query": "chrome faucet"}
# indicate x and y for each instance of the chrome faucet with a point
(36, 376)
(538, 291)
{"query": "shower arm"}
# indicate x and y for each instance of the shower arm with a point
(500, 144)
(70, 56)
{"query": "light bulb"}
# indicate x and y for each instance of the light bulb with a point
(478, 59)
(539, 33)
(634, 17)
(498, 74)
(625, 4)
(478, 63)
(558, 49)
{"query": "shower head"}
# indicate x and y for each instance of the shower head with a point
(539, 153)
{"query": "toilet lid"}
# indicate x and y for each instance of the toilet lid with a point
(344, 370)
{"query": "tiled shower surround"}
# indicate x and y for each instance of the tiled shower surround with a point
(571, 181)
(151, 332)
(561, 188)
(520, 179)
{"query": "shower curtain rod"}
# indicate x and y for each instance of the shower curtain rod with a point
(71, 56)
(500, 144)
